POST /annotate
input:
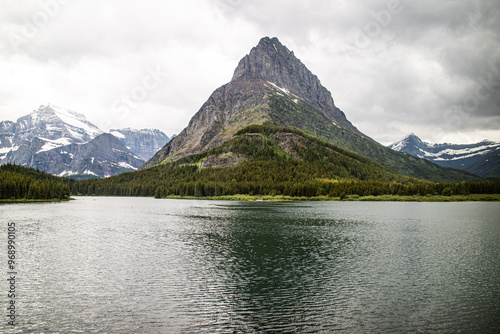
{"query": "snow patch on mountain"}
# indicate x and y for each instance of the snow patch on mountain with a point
(67, 173)
(126, 165)
(76, 120)
(399, 146)
(89, 172)
(5, 150)
(117, 134)
(51, 144)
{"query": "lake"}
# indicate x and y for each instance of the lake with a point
(141, 265)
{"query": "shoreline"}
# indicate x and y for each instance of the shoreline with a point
(23, 200)
(279, 198)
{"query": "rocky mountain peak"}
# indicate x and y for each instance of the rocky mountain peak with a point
(413, 139)
(266, 62)
(273, 62)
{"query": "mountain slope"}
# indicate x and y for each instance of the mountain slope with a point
(271, 86)
(481, 158)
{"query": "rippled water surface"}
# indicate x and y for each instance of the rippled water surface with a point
(140, 265)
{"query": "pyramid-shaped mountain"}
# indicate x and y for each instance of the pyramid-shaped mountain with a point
(271, 86)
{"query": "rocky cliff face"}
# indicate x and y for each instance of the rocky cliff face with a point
(7, 130)
(143, 143)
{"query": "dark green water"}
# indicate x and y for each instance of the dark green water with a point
(139, 265)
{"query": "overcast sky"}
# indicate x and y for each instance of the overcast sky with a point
(394, 67)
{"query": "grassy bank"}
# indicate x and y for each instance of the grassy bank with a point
(433, 198)
(387, 198)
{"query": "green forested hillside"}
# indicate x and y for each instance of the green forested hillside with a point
(265, 160)
(17, 182)
(286, 112)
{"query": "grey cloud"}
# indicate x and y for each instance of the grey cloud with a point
(414, 70)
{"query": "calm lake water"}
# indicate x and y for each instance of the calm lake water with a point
(140, 265)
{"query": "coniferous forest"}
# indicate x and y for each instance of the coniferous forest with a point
(21, 183)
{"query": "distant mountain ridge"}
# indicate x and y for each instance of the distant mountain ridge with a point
(481, 158)
(65, 143)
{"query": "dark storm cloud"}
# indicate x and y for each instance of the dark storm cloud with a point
(394, 66)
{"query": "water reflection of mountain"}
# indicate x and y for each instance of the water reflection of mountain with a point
(275, 265)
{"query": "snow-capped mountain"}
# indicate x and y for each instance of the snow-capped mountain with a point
(44, 129)
(103, 156)
(65, 143)
(50, 123)
(481, 158)
(144, 143)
